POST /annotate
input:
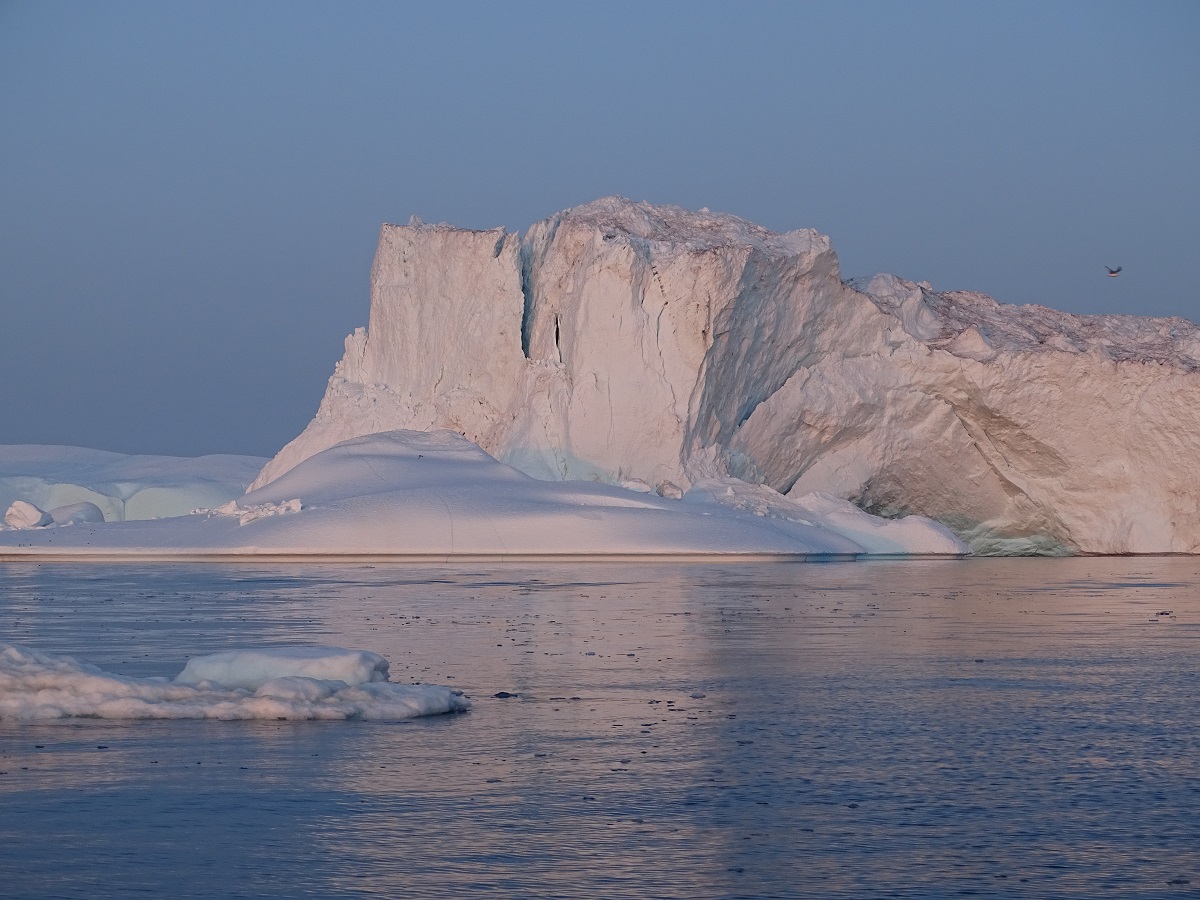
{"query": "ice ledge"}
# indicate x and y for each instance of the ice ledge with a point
(695, 230)
(975, 326)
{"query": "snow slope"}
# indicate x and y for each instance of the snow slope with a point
(625, 342)
(121, 487)
(437, 495)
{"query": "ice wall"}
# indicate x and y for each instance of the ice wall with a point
(620, 340)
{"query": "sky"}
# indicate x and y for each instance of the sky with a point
(190, 194)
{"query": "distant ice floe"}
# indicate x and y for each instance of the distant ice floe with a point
(121, 487)
(260, 683)
(22, 514)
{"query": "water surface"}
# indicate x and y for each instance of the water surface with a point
(986, 727)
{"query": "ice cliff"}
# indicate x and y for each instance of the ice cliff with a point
(619, 341)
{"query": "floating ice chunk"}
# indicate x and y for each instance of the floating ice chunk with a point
(77, 514)
(23, 514)
(253, 668)
(35, 685)
(636, 484)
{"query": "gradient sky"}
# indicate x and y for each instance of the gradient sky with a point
(190, 194)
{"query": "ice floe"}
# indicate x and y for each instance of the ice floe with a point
(120, 486)
(258, 683)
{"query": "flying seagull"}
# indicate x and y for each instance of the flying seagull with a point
(1113, 273)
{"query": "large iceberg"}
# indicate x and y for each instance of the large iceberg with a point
(623, 342)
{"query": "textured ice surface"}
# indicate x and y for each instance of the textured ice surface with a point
(246, 513)
(22, 514)
(252, 668)
(874, 534)
(438, 494)
(272, 684)
(626, 342)
(121, 487)
(77, 514)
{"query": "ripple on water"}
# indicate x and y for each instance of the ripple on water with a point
(996, 727)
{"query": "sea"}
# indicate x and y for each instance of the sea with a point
(892, 728)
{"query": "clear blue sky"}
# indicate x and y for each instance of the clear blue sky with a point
(190, 193)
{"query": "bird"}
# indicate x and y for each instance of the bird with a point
(1113, 273)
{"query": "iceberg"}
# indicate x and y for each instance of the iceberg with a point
(121, 487)
(22, 514)
(275, 683)
(626, 343)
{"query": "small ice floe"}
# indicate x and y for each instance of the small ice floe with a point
(246, 514)
(259, 683)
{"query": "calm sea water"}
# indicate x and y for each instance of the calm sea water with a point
(890, 729)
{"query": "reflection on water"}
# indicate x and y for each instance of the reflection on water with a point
(996, 727)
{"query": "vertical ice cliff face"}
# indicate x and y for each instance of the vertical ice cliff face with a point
(617, 340)
(653, 332)
(620, 340)
(443, 349)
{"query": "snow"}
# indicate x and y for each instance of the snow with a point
(77, 514)
(22, 514)
(25, 515)
(436, 494)
(877, 536)
(258, 683)
(246, 514)
(252, 668)
(120, 486)
(1031, 328)
(622, 342)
